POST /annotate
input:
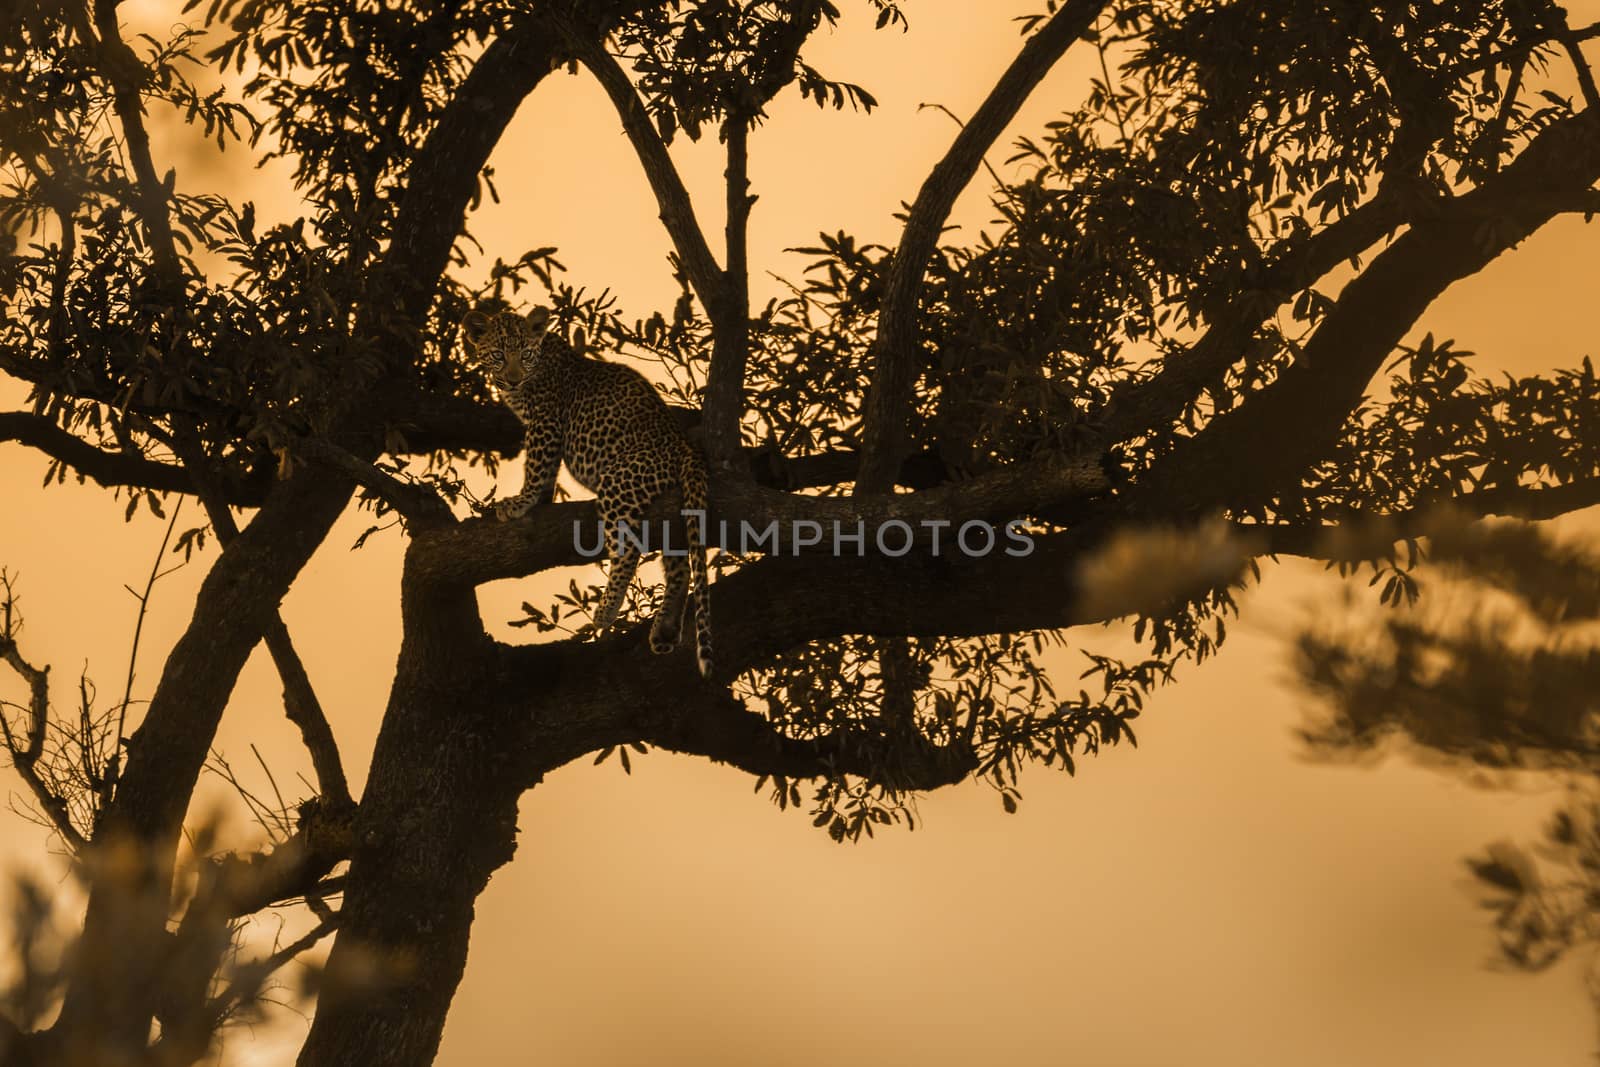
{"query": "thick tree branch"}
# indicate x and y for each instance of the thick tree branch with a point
(108, 469)
(720, 729)
(1267, 443)
(894, 377)
(724, 394)
(482, 550)
(782, 602)
(1585, 203)
(408, 903)
(661, 701)
(1324, 540)
(429, 422)
(677, 210)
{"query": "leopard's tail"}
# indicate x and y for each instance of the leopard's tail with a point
(698, 521)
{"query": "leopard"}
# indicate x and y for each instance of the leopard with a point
(619, 440)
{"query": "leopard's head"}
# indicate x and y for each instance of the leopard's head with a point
(505, 343)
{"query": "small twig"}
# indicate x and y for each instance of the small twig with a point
(276, 792)
(38, 679)
(91, 775)
(138, 625)
(251, 977)
(994, 175)
(1111, 95)
(264, 816)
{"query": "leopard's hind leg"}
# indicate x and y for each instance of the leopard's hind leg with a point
(624, 538)
(668, 626)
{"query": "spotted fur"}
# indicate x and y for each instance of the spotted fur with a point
(618, 440)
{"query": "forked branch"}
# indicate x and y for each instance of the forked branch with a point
(26, 751)
(300, 701)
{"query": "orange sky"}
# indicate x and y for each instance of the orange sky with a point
(1208, 898)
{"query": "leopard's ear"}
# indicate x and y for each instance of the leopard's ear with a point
(580, 340)
(539, 319)
(473, 323)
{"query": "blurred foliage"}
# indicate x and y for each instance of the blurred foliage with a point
(1497, 671)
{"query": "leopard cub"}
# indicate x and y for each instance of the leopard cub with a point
(619, 441)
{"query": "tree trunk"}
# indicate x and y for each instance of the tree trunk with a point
(437, 818)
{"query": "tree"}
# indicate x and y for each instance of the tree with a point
(1151, 367)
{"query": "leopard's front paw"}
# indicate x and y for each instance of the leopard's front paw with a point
(507, 510)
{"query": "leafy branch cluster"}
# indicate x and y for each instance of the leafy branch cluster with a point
(701, 64)
(1443, 432)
